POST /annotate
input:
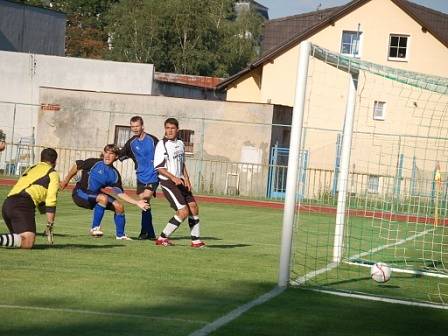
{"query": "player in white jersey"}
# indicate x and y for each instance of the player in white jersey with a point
(169, 160)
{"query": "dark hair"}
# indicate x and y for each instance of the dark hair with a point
(49, 155)
(137, 118)
(112, 148)
(172, 121)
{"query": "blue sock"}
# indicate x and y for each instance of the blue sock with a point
(98, 213)
(147, 223)
(120, 222)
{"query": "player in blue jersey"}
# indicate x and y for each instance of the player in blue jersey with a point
(99, 175)
(140, 148)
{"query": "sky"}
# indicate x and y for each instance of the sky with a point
(280, 8)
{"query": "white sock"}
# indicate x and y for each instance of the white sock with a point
(10, 240)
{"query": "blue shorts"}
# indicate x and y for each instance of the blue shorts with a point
(87, 200)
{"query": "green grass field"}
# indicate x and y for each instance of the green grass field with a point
(87, 286)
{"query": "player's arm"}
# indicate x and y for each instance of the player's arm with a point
(2, 140)
(71, 173)
(186, 178)
(142, 204)
(126, 152)
(50, 204)
(166, 173)
(117, 192)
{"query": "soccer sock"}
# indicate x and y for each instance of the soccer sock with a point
(98, 213)
(193, 222)
(172, 226)
(10, 240)
(120, 222)
(147, 223)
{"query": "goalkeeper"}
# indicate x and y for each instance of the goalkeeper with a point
(37, 187)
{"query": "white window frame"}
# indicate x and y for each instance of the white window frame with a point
(408, 49)
(377, 103)
(122, 134)
(361, 35)
(370, 184)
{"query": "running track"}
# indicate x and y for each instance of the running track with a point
(383, 215)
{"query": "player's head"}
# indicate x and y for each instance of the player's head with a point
(110, 154)
(136, 123)
(171, 128)
(49, 155)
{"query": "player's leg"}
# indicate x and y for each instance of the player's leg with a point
(19, 216)
(193, 220)
(93, 202)
(146, 192)
(178, 203)
(119, 219)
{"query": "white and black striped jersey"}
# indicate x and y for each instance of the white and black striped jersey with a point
(170, 154)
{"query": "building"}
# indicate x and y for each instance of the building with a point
(30, 29)
(393, 33)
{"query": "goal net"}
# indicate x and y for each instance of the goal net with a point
(378, 192)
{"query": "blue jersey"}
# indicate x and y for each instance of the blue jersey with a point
(96, 175)
(141, 151)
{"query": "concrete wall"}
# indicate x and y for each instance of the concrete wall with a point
(21, 76)
(223, 131)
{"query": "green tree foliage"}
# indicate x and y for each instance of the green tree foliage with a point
(184, 36)
(198, 37)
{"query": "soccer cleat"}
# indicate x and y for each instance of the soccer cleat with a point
(123, 238)
(145, 235)
(164, 242)
(197, 244)
(96, 232)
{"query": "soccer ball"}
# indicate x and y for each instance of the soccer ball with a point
(380, 272)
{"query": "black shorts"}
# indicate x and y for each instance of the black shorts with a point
(141, 187)
(18, 212)
(177, 195)
(88, 200)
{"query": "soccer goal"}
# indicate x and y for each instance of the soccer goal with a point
(386, 200)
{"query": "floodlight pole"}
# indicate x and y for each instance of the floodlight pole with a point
(344, 169)
(293, 163)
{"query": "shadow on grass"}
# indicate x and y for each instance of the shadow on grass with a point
(228, 246)
(75, 246)
(188, 237)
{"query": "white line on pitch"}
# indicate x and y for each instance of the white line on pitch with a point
(402, 241)
(237, 312)
(92, 312)
(380, 299)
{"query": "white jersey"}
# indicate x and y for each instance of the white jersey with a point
(170, 154)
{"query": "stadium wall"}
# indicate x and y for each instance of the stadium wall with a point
(223, 131)
(22, 74)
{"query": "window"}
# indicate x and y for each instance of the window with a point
(379, 110)
(350, 44)
(398, 47)
(122, 134)
(187, 137)
(373, 184)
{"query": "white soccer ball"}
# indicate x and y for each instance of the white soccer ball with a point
(380, 272)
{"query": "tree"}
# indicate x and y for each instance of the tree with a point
(184, 36)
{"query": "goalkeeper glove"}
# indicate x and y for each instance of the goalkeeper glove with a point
(49, 233)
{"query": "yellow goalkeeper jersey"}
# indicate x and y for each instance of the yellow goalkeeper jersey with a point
(41, 182)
